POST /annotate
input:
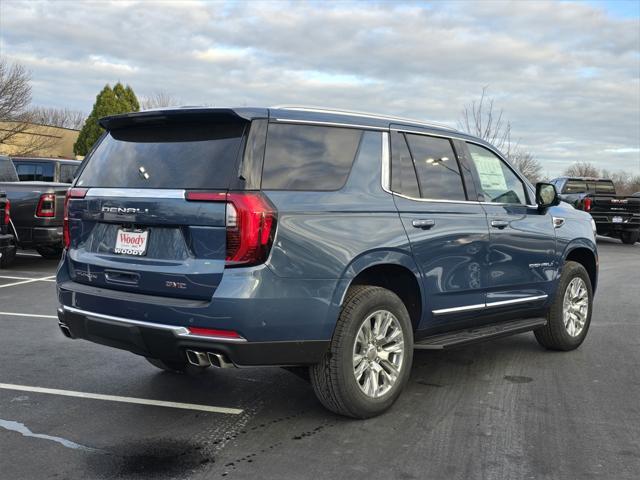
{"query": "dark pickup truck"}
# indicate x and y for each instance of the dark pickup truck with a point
(7, 241)
(37, 210)
(615, 216)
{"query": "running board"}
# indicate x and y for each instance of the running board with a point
(475, 335)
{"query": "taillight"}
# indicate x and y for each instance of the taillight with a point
(586, 204)
(46, 205)
(71, 193)
(250, 222)
(7, 212)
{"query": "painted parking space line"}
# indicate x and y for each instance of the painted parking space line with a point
(36, 315)
(8, 277)
(31, 280)
(116, 398)
(20, 254)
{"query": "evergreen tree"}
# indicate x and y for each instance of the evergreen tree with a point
(110, 101)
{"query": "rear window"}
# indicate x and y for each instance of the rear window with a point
(35, 172)
(305, 157)
(602, 187)
(189, 156)
(575, 186)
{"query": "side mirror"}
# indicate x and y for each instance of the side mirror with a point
(546, 195)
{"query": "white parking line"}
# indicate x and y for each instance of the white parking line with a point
(20, 254)
(25, 278)
(14, 314)
(31, 280)
(116, 398)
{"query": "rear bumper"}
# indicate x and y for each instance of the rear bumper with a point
(170, 342)
(36, 236)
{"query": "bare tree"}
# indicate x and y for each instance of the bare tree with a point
(582, 169)
(15, 90)
(482, 120)
(17, 132)
(527, 165)
(58, 117)
(159, 99)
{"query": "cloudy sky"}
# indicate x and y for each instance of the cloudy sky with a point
(567, 74)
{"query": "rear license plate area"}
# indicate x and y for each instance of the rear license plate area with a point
(131, 242)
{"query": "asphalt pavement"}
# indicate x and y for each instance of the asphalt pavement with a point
(505, 409)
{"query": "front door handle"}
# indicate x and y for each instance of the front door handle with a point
(499, 224)
(424, 224)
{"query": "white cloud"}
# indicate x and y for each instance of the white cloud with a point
(566, 74)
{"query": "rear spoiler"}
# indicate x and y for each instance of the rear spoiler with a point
(183, 114)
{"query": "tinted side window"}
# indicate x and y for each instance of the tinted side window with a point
(498, 183)
(306, 157)
(437, 168)
(66, 172)
(7, 170)
(403, 173)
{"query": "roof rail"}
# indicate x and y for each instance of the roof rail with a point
(355, 113)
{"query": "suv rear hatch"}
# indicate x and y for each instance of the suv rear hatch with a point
(151, 210)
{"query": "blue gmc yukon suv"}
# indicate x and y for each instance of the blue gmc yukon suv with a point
(335, 241)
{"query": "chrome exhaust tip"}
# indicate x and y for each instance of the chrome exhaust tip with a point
(218, 360)
(65, 330)
(199, 359)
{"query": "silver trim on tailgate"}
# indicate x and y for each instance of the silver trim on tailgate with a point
(135, 193)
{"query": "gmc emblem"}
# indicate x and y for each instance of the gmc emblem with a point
(124, 211)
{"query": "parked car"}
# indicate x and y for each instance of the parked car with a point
(37, 211)
(335, 241)
(7, 241)
(57, 170)
(615, 216)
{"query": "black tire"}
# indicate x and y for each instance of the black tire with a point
(554, 335)
(7, 258)
(183, 367)
(629, 238)
(50, 253)
(333, 379)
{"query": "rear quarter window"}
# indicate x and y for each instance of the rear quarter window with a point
(308, 157)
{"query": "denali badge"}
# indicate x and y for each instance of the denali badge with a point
(124, 211)
(88, 275)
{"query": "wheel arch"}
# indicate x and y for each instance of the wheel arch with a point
(585, 255)
(393, 270)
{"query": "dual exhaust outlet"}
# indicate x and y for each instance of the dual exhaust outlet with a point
(199, 359)
(208, 359)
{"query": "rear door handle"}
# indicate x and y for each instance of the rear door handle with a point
(424, 224)
(499, 224)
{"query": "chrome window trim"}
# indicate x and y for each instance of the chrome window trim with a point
(483, 306)
(354, 113)
(386, 163)
(467, 140)
(386, 173)
(181, 332)
(328, 124)
(135, 193)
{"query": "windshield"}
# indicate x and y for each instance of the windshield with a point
(188, 156)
